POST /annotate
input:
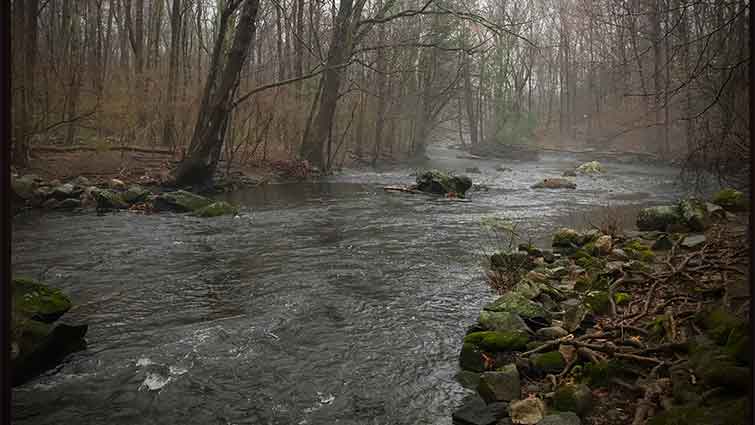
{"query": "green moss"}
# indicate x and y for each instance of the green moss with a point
(216, 209)
(181, 201)
(695, 214)
(550, 362)
(566, 238)
(721, 324)
(636, 250)
(37, 301)
(601, 374)
(493, 341)
(730, 199)
(659, 218)
(515, 302)
(598, 302)
(621, 298)
(572, 398)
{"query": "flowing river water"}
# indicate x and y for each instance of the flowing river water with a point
(321, 303)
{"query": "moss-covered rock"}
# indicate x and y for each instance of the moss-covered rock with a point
(500, 385)
(590, 168)
(514, 302)
(659, 218)
(502, 321)
(729, 331)
(36, 301)
(109, 200)
(636, 250)
(730, 199)
(695, 214)
(494, 341)
(438, 182)
(583, 258)
(550, 362)
(135, 194)
(573, 398)
(601, 374)
(23, 187)
(216, 209)
(598, 302)
(566, 238)
(181, 201)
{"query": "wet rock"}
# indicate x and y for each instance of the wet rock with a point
(181, 201)
(473, 170)
(590, 168)
(437, 182)
(468, 379)
(38, 301)
(663, 243)
(529, 411)
(561, 418)
(516, 303)
(217, 209)
(569, 173)
(552, 332)
(135, 194)
(502, 321)
(550, 362)
(603, 245)
(471, 358)
(66, 191)
(566, 238)
(500, 385)
(475, 411)
(695, 214)
(108, 200)
(659, 218)
(68, 204)
(573, 398)
(730, 200)
(555, 183)
(37, 344)
(23, 187)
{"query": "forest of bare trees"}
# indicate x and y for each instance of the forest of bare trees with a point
(329, 82)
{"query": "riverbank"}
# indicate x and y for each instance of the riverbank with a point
(618, 327)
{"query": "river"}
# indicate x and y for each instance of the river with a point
(321, 303)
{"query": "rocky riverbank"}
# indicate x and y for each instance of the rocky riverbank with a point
(609, 327)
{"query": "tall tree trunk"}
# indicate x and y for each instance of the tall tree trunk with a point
(169, 128)
(209, 133)
(338, 54)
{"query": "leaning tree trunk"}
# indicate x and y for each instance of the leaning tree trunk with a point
(201, 160)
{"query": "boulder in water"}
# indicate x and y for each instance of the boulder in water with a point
(135, 194)
(437, 182)
(590, 168)
(108, 200)
(555, 183)
(36, 343)
(181, 201)
(695, 214)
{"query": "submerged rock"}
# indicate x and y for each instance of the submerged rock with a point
(555, 183)
(181, 201)
(590, 168)
(437, 182)
(216, 209)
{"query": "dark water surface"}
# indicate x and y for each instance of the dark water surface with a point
(321, 303)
